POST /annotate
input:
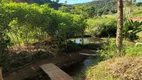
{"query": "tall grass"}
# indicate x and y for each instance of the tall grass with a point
(102, 26)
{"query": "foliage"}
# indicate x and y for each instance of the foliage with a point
(108, 50)
(129, 49)
(110, 6)
(91, 9)
(137, 13)
(102, 26)
(4, 40)
(22, 19)
(66, 8)
(138, 4)
(131, 29)
(21, 24)
(133, 50)
(87, 11)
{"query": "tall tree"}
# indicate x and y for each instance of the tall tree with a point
(119, 37)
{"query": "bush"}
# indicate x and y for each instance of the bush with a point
(138, 4)
(108, 50)
(131, 29)
(24, 26)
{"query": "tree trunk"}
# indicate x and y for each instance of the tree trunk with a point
(119, 37)
(1, 78)
(82, 38)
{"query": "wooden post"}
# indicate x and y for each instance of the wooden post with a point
(1, 78)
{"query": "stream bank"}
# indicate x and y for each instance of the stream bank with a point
(32, 70)
(71, 62)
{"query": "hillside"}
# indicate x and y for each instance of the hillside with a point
(91, 9)
(52, 4)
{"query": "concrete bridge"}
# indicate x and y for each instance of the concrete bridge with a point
(54, 72)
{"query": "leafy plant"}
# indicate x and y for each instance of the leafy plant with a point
(131, 29)
(108, 50)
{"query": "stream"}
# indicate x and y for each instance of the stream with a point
(74, 69)
(88, 40)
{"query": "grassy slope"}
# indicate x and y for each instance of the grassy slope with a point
(124, 68)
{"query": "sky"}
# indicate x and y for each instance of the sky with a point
(74, 1)
(139, 0)
(81, 1)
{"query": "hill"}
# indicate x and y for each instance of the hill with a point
(94, 8)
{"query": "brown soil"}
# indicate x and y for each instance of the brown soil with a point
(31, 70)
(139, 19)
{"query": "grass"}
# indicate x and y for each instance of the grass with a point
(102, 26)
(140, 35)
(124, 68)
(137, 13)
(133, 51)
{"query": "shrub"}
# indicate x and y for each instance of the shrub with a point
(131, 29)
(108, 50)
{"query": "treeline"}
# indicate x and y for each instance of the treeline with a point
(51, 3)
(91, 9)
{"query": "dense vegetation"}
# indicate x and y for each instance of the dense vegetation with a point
(24, 25)
(20, 25)
(91, 9)
(44, 23)
(108, 66)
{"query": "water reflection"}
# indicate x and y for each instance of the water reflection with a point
(87, 62)
(73, 70)
(86, 40)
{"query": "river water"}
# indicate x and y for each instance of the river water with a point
(86, 40)
(74, 69)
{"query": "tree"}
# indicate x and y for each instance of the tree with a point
(84, 10)
(5, 1)
(119, 37)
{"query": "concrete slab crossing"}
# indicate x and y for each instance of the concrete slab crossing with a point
(54, 72)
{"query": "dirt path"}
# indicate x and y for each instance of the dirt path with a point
(60, 60)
